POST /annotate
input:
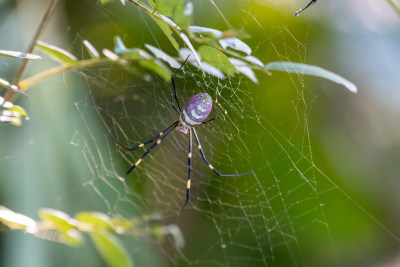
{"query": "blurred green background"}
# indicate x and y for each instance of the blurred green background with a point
(339, 208)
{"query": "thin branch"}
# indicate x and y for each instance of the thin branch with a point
(25, 84)
(395, 4)
(10, 96)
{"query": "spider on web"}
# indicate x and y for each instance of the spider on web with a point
(194, 113)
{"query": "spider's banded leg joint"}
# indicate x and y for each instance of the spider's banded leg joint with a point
(138, 162)
(211, 167)
(158, 141)
(190, 155)
(141, 145)
(188, 185)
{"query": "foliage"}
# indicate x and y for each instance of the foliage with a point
(218, 54)
(58, 226)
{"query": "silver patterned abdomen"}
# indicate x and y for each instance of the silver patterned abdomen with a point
(196, 110)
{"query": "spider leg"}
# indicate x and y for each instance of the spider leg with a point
(173, 105)
(209, 165)
(216, 113)
(173, 85)
(302, 9)
(145, 143)
(190, 169)
(169, 129)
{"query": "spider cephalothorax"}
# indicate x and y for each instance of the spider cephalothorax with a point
(194, 113)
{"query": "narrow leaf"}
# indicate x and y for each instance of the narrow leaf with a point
(254, 60)
(120, 47)
(111, 55)
(111, 249)
(190, 46)
(217, 59)
(209, 69)
(183, 15)
(236, 44)
(169, 23)
(11, 87)
(94, 220)
(168, 32)
(164, 56)
(58, 219)
(304, 69)
(244, 68)
(204, 30)
(165, 7)
(16, 54)
(57, 53)
(91, 50)
(10, 113)
(17, 221)
(158, 68)
(129, 53)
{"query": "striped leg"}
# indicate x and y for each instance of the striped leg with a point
(173, 85)
(190, 169)
(173, 105)
(209, 165)
(145, 143)
(165, 134)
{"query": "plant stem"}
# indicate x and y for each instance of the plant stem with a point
(25, 84)
(9, 95)
(395, 4)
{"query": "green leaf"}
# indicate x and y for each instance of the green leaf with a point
(19, 110)
(58, 219)
(10, 113)
(57, 53)
(254, 60)
(11, 87)
(103, 2)
(109, 54)
(91, 50)
(207, 31)
(158, 68)
(304, 69)
(16, 54)
(165, 7)
(165, 24)
(168, 32)
(94, 220)
(236, 44)
(164, 56)
(112, 251)
(120, 48)
(244, 68)
(183, 15)
(129, 53)
(217, 59)
(209, 69)
(17, 221)
(62, 225)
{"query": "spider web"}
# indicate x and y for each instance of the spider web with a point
(263, 218)
(249, 219)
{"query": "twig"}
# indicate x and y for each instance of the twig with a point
(9, 95)
(395, 4)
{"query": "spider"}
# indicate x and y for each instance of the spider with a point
(192, 115)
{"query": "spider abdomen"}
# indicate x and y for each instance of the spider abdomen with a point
(196, 110)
